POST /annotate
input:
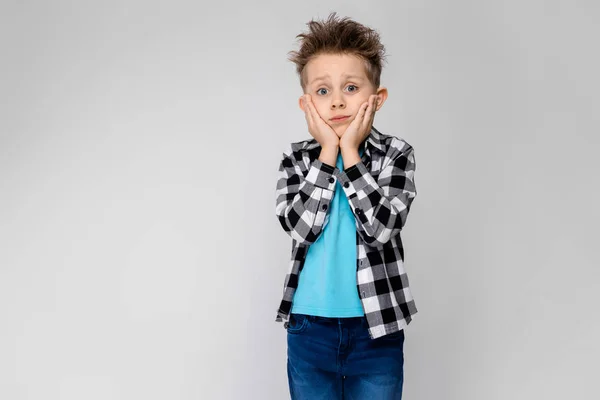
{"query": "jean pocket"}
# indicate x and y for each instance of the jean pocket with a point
(297, 323)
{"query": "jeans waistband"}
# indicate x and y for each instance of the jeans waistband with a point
(337, 320)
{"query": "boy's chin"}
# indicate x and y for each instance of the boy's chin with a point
(339, 130)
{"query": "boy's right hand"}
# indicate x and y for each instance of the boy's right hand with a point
(317, 127)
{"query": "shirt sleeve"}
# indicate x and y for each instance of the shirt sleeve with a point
(302, 201)
(381, 206)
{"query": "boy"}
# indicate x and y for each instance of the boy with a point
(344, 197)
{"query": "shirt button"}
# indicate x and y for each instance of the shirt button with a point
(360, 262)
(359, 211)
(324, 207)
(363, 295)
(346, 184)
(331, 180)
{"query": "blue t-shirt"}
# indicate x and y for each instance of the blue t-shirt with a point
(327, 283)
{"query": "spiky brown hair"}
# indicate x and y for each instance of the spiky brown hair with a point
(340, 36)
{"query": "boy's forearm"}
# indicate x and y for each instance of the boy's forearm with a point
(350, 157)
(329, 155)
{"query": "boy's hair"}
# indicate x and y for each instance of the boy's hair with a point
(340, 36)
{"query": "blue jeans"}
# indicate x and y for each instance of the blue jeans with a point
(334, 358)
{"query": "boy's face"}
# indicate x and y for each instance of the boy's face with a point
(338, 85)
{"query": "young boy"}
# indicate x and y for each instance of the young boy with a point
(344, 197)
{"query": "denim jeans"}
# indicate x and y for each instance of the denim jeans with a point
(334, 358)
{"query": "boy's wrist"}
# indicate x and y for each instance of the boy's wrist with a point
(329, 154)
(330, 148)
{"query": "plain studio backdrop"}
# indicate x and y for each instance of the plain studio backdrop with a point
(140, 255)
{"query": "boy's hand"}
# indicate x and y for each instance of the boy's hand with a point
(318, 128)
(360, 127)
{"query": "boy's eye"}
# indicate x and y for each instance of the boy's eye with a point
(354, 86)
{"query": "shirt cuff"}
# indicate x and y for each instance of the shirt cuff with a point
(355, 178)
(321, 175)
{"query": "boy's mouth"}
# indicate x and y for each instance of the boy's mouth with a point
(340, 118)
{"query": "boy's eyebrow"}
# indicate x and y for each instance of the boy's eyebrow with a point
(347, 76)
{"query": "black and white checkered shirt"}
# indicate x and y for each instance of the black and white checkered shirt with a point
(380, 189)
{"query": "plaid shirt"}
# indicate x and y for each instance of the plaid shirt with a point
(380, 189)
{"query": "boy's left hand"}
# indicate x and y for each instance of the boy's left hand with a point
(360, 127)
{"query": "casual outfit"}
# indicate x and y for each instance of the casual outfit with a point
(346, 312)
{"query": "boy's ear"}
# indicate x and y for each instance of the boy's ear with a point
(300, 103)
(382, 95)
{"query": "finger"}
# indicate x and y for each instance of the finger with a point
(313, 111)
(365, 118)
(307, 111)
(361, 113)
(316, 117)
(372, 110)
(375, 104)
(309, 106)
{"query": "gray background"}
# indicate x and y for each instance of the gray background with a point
(140, 256)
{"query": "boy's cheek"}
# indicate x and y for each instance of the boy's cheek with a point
(320, 109)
